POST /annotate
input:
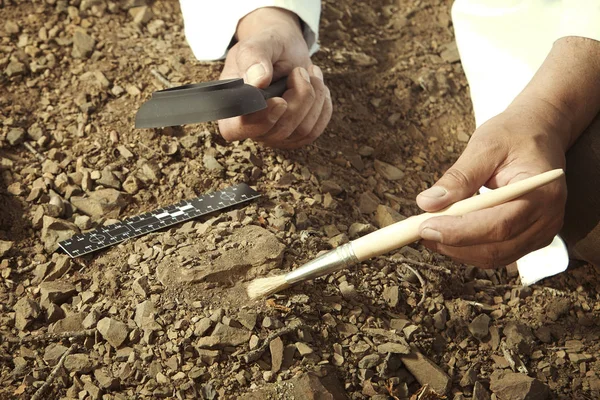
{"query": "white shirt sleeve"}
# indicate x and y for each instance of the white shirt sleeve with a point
(210, 25)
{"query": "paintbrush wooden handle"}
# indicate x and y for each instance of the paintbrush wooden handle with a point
(404, 232)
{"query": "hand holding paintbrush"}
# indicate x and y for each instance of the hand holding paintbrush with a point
(394, 236)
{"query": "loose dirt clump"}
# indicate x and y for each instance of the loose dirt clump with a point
(165, 315)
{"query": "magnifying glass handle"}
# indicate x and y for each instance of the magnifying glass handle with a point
(276, 89)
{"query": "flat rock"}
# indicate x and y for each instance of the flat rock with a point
(386, 216)
(276, 348)
(426, 372)
(56, 230)
(144, 316)
(71, 323)
(519, 337)
(480, 392)
(53, 353)
(388, 171)
(369, 361)
(56, 292)
(262, 251)
(115, 332)
(229, 336)
(304, 349)
(397, 348)
(367, 203)
(107, 203)
(80, 363)
(515, 386)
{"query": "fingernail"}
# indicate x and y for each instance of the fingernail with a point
(255, 73)
(317, 72)
(434, 192)
(277, 112)
(305, 75)
(431, 234)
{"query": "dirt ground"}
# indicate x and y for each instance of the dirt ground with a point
(166, 315)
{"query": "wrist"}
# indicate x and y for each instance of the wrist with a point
(267, 17)
(549, 116)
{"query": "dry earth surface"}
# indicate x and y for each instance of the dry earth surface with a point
(166, 315)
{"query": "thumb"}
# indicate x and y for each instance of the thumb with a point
(255, 59)
(471, 171)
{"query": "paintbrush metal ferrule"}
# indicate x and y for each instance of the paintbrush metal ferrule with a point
(334, 260)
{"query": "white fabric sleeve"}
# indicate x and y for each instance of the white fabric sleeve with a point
(211, 25)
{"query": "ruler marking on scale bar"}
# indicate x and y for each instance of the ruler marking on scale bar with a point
(139, 225)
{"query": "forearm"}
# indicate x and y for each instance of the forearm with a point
(566, 88)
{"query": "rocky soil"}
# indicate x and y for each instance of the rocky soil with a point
(166, 315)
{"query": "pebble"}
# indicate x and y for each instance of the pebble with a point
(103, 203)
(515, 386)
(357, 229)
(397, 348)
(391, 295)
(348, 291)
(303, 349)
(229, 336)
(386, 216)
(479, 327)
(113, 331)
(367, 203)
(388, 171)
(426, 372)
(369, 361)
(80, 363)
(480, 392)
(15, 136)
(83, 44)
(56, 292)
(26, 311)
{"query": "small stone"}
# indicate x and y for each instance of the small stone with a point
(80, 363)
(228, 336)
(303, 349)
(53, 353)
(391, 295)
(71, 323)
(208, 357)
(426, 372)
(469, 378)
(276, 348)
(56, 292)
(91, 319)
(83, 44)
(105, 379)
(15, 68)
(397, 348)
(15, 136)
(480, 393)
(519, 337)
(211, 163)
(348, 291)
(202, 326)
(450, 53)
(479, 327)
(107, 203)
(11, 27)
(357, 229)
(439, 319)
(388, 171)
(515, 386)
(115, 332)
(369, 361)
(141, 15)
(55, 230)
(94, 391)
(386, 216)
(247, 319)
(141, 286)
(26, 311)
(463, 137)
(144, 316)
(368, 203)
(331, 187)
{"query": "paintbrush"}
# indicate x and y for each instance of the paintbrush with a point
(393, 236)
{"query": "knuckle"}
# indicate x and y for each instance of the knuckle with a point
(504, 230)
(456, 175)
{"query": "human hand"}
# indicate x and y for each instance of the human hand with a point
(523, 141)
(271, 46)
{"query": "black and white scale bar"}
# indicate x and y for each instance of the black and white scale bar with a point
(106, 236)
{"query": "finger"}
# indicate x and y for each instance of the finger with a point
(307, 124)
(494, 255)
(318, 128)
(253, 125)
(496, 224)
(300, 98)
(471, 171)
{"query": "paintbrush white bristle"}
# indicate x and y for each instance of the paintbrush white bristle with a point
(265, 286)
